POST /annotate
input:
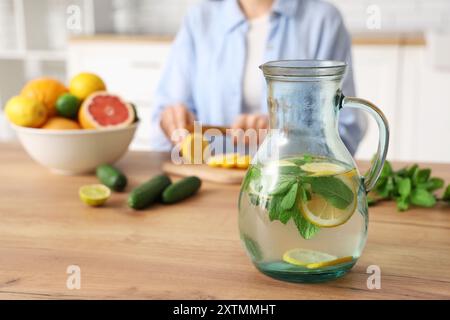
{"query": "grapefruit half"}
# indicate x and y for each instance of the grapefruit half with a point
(103, 110)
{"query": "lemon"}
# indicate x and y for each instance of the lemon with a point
(318, 210)
(84, 84)
(193, 147)
(329, 263)
(215, 161)
(243, 162)
(94, 194)
(26, 112)
(323, 214)
(322, 168)
(305, 257)
(230, 160)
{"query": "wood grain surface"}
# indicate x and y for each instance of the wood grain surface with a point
(189, 250)
(205, 172)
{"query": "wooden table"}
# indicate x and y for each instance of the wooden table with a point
(189, 250)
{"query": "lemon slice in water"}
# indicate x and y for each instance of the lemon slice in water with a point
(318, 210)
(305, 257)
(94, 194)
(322, 168)
(329, 263)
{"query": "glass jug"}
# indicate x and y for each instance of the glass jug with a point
(302, 208)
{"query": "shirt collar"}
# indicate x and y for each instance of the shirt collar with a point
(233, 15)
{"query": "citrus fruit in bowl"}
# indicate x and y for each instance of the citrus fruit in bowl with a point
(26, 112)
(84, 84)
(75, 151)
(67, 106)
(103, 110)
(59, 123)
(45, 90)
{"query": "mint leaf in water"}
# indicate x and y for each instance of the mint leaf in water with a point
(289, 198)
(282, 187)
(274, 207)
(333, 190)
(252, 247)
(306, 229)
(253, 174)
(285, 215)
(289, 170)
(307, 157)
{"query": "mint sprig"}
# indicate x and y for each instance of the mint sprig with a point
(335, 192)
(409, 186)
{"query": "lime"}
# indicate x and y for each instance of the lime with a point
(67, 106)
(329, 263)
(94, 194)
(305, 257)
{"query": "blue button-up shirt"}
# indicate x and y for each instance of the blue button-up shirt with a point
(205, 68)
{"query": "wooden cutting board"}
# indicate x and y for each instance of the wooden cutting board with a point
(205, 172)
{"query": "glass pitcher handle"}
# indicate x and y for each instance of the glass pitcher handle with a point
(372, 176)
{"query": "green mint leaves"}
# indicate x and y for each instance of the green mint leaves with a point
(335, 192)
(283, 205)
(289, 198)
(409, 186)
(306, 229)
(252, 247)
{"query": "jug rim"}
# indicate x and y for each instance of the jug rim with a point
(303, 68)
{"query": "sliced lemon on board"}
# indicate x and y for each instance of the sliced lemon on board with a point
(305, 257)
(94, 194)
(329, 263)
(322, 168)
(230, 160)
(243, 162)
(215, 161)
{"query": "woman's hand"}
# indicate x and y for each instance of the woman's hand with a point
(245, 122)
(176, 117)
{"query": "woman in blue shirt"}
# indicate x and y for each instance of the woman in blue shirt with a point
(212, 75)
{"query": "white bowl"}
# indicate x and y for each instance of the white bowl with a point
(75, 151)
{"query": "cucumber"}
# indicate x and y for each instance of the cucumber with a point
(148, 192)
(181, 190)
(111, 177)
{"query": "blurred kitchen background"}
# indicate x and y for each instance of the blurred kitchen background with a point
(401, 52)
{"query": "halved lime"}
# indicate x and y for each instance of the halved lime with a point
(304, 257)
(94, 194)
